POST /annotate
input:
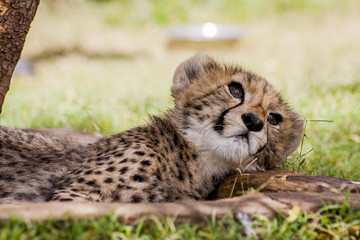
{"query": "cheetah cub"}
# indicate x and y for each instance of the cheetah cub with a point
(224, 118)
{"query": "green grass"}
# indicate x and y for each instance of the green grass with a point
(331, 222)
(108, 67)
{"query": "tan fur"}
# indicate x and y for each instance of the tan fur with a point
(179, 156)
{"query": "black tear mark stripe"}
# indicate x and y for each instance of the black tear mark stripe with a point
(220, 122)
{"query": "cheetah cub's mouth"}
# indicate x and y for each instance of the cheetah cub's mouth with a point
(232, 116)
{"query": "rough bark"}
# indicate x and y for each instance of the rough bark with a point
(15, 19)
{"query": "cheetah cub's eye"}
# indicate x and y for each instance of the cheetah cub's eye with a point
(236, 90)
(274, 118)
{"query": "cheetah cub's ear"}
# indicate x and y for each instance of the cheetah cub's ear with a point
(188, 71)
(296, 134)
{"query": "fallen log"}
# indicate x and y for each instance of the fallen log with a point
(280, 190)
(266, 204)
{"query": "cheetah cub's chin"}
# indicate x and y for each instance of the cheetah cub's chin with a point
(224, 118)
(234, 117)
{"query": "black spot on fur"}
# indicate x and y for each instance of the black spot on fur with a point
(180, 175)
(186, 113)
(65, 199)
(152, 198)
(88, 172)
(124, 160)
(136, 198)
(119, 154)
(139, 153)
(145, 163)
(142, 170)
(98, 172)
(117, 198)
(190, 175)
(110, 169)
(175, 139)
(91, 183)
(108, 180)
(138, 178)
(198, 107)
(158, 175)
(80, 180)
(45, 159)
(204, 102)
(124, 170)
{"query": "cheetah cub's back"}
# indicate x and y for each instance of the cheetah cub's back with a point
(224, 118)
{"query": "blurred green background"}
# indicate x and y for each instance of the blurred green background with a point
(104, 65)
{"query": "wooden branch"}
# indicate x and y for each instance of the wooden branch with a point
(266, 204)
(283, 180)
(282, 191)
(15, 19)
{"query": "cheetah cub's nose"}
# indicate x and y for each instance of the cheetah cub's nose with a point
(252, 122)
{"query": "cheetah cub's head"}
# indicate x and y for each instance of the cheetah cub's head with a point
(234, 117)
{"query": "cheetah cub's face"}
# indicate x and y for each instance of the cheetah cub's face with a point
(234, 117)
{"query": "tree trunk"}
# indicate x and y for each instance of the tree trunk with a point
(15, 19)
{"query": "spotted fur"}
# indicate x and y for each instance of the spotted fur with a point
(224, 118)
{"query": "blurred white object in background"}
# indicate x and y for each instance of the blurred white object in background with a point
(203, 35)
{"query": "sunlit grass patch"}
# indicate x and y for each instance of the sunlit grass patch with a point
(335, 141)
(331, 221)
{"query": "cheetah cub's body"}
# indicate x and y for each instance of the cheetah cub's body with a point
(224, 118)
